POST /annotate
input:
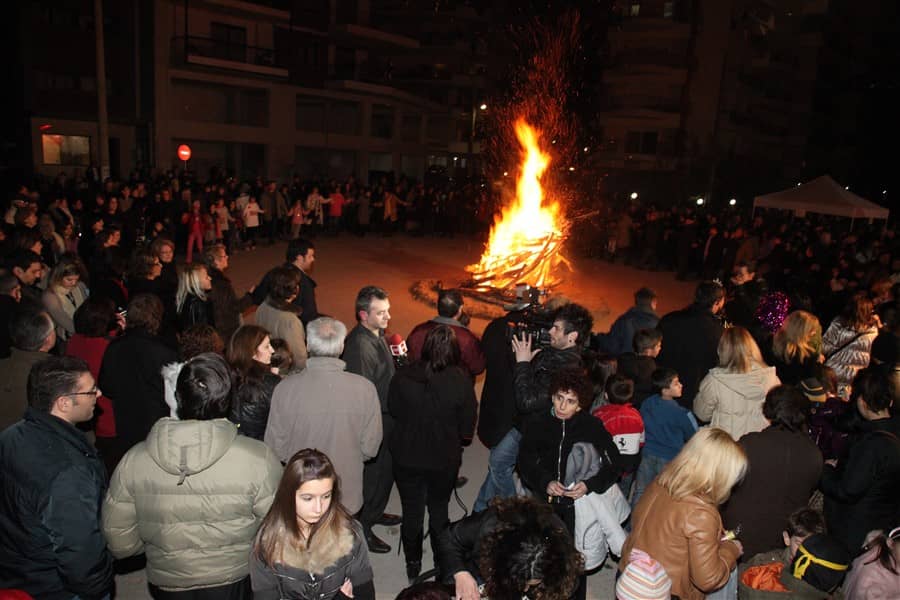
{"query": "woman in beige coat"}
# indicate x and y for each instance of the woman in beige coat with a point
(731, 395)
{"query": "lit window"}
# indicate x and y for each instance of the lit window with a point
(668, 10)
(66, 149)
(635, 9)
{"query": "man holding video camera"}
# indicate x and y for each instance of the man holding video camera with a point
(534, 368)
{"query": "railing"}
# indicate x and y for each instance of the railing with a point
(210, 48)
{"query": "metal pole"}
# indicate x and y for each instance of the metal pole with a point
(102, 117)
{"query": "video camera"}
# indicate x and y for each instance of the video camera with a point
(529, 317)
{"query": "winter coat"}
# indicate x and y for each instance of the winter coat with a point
(368, 355)
(91, 351)
(226, 306)
(690, 346)
(733, 401)
(305, 301)
(284, 324)
(531, 380)
(130, 377)
(685, 536)
(863, 492)
(765, 571)
(51, 486)
(195, 311)
(250, 402)
(824, 427)
(869, 580)
(784, 469)
(621, 334)
(319, 573)
(337, 412)
(471, 354)
(434, 417)
(792, 373)
(846, 350)
(497, 408)
(62, 309)
(192, 497)
(547, 443)
(639, 369)
(14, 384)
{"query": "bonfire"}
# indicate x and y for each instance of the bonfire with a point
(527, 237)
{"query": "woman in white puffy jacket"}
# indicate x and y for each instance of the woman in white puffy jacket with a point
(731, 395)
(847, 342)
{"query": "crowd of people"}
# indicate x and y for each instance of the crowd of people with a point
(744, 445)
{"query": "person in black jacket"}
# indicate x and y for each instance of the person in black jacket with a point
(130, 374)
(433, 405)
(226, 306)
(250, 355)
(548, 438)
(691, 338)
(194, 307)
(52, 483)
(862, 493)
(532, 372)
(516, 548)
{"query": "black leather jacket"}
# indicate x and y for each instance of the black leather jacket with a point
(195, 311)
(251, 402)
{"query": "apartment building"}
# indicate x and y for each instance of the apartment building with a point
(331, 88)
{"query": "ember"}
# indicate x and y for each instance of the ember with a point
(526, 239)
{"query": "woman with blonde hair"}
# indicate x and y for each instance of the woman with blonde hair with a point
(797, 347)
(309, 547)
(847, 342)
(731, 395)
(65, 293)
(677, 520)
(191, 302)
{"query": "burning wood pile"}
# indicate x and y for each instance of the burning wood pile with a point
(526, 239)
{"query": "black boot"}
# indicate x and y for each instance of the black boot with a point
(413, 568)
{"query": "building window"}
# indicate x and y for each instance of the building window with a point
(668, 10)
(410, 127)
(66, 150)
(382, 121)
(310, 114)
(232, 41)
(344, 118)
(641, 142)
(635, 9)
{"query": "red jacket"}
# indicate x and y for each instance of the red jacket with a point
(91, 350)
(469, 344)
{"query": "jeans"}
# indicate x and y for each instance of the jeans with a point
(650, 467)
(729, 592)
(501, 464)
(625, 485)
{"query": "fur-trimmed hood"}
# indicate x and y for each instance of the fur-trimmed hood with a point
(327, 548)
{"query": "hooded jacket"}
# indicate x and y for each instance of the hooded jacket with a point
(192, 496)
(733, 401)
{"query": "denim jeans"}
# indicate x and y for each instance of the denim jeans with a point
(729, 592)
(501, 464)
(650, 467)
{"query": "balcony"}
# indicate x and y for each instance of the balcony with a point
(361, 36)
(277, 10)
(207, 52)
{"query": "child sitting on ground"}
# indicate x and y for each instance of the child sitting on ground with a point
(624, 424)
(816, 571)
(667, 427)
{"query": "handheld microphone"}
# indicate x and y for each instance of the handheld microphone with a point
(397, 345)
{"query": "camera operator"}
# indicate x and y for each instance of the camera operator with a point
(533, 370)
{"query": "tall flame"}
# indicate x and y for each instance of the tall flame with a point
(525, 239)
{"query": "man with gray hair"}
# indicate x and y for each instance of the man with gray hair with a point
(327, 408)
(32, 334)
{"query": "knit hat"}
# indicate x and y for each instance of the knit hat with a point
(813, 390)
(643, 579)
(821, 561)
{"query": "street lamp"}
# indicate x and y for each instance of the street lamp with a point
(732, 202)
(634, 195)
(699, 201)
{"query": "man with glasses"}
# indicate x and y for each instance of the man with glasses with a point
(52, 483)
(227, 307)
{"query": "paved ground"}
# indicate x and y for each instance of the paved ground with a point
(345, 264)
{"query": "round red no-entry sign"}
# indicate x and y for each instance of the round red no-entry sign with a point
(184, 152)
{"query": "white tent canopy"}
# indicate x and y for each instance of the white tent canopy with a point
(822, 195)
